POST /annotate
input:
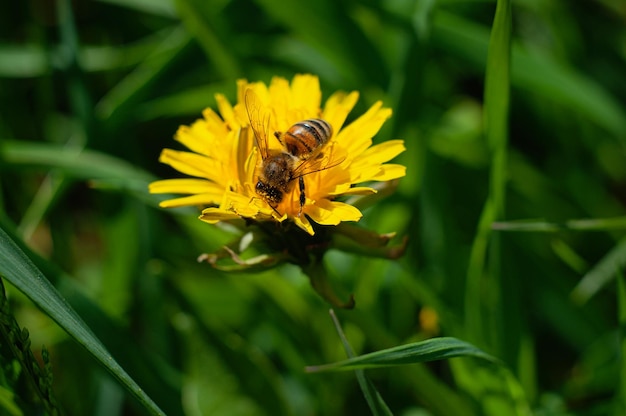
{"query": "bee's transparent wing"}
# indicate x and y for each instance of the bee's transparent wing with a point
(325, 157)
(259, 121)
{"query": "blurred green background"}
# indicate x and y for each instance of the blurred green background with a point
(91, 91)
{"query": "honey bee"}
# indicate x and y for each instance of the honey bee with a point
(301, 155)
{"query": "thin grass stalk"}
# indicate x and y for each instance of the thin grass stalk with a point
(620, 397)
(496, 98)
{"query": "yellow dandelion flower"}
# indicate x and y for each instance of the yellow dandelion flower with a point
(229, 154)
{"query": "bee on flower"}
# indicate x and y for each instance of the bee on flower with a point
(277, 155)
(302, 146)
(233, 157)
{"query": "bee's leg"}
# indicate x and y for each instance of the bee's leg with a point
(302, 194)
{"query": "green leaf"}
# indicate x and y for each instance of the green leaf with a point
(17, 268)
(418, 352)
(601, 274)
(374, 400)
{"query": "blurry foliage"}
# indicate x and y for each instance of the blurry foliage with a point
(26, 386)
(91, 91)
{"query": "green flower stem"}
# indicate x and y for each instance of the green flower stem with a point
(318, 277)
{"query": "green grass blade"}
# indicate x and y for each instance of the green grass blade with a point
(333, 34)
(100, 169)
(75, 163)
(374, 400)
(52, 186)
(22, 61)
(17, 268)
(164, 8)
(418, 352)
(594, 224)
(499, 392)
(601, 274)
(620, 399)
(76, 88)
(30, 61)
(218, 53)
(121, 100)
(80, 103)
(139, 360)
(497, 81)
(188, 102)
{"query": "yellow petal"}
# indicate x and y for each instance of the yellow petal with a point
(337, 108)
(213, 123)
(261, 92)
(183, 186)
(193, 164)
(240, 204)
(241, 114)
(203, 134)
(319, 184)
(382, 152)
(369, 165)
(388, 172)
(226, 111)
(239, 154)
(381, 173)
(248, 210)
(213, 215)
(198, 199)
(279, 92)
(306, 95)
(242, 85)
(345, 212)
(304, 224)
(280, 104)
(357, 136)
(327, 212)
(356, 190)
(250, 166)
(195, 139)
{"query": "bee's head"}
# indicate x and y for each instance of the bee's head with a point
(270, 193)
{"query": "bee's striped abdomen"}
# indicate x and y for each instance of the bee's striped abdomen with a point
(304, 137)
